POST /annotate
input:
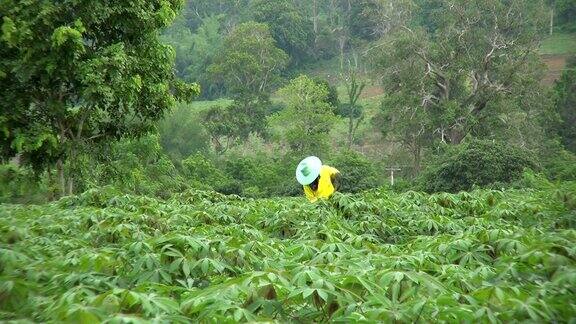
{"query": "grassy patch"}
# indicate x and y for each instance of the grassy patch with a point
(202, 105)
(559, 44)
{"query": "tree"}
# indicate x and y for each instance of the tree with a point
(196, 51)
(354, 111)
(372, 19)
(565, 89)
(226, 125)
(250, 63)
(332, 98)
(232, 12)
(291, 30)
(477, 163)
(308, 118)
(562, 14)
(179, 36)
(206, 44)
(77, 73)
(402, 119)
(182, 134)
(249, 66)
(480, 53)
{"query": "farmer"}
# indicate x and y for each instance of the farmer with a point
(319, 181)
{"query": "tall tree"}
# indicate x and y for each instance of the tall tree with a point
(565, 14)
(308, 117)
(289, 27)
(249, 66)
(76, 73)
(372, 19)
(250, 63)
(479, 54)
(196, 51)
(227, 125)
(179, 36)
(355, 116)
(402, 117)
(232, 11)
(206, 43)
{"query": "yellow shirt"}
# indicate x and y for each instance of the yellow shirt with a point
(325, 186)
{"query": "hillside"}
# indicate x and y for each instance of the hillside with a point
(555, 51)
(485, 256)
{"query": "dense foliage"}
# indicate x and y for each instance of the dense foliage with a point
(308, 117)
(186, 212)
(565, 104)
(358, 172)
(485, 256)
(70, 80)
(477, 163)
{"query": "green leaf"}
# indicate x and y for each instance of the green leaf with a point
(186, 268)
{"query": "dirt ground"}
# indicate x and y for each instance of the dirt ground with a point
(555, 65)
(371, 91)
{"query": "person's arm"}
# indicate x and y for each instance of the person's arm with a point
(336, 179)
(309, 194)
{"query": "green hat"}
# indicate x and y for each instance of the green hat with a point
(308, 170)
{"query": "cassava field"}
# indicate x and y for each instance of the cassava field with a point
(482, 257)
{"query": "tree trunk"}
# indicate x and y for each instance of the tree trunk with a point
(70, 186)
(456, 136)
(551, 21)
(315, 22)
(417, 159)
(331, 12)
(61, 178)
(350, 127)
(16, 159)
(342, 41)
(72, 168)
(51, 195)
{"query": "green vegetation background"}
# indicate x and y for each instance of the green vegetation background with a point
(124, 200)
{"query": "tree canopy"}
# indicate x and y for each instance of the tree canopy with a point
(69, 79)
(308, 116)
(478, 54)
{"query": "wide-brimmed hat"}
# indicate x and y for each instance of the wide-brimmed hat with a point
(308, 170)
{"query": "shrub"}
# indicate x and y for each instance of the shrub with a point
(562, 166)
(197, 168)
(182, 134)
(21, 185)
(135, 166)
(257, 176)
(477, 163)
(358, 173)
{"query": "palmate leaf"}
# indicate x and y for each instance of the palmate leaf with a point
(401, 285)
(532, 308)
(495, 295)
(83, 314)
(412, 261)
(358, 284)
(305, 275)
(11, 260)
(14, 293)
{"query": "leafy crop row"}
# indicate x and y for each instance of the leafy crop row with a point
(485, 256)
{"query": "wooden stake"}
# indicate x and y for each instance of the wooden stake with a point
(392, 169)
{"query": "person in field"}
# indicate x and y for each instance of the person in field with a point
(319, 181)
